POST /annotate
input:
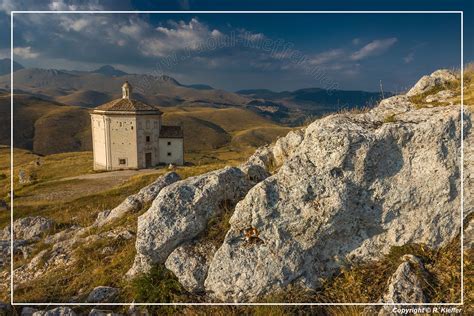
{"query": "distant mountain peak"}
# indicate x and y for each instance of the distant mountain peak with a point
(169, 79)
(109, 70)
(5, 66)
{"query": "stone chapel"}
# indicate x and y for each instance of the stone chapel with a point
(129, 134)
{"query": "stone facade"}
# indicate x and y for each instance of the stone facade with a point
(129, 134)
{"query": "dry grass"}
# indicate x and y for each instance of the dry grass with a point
(419, 100)
(92, 269)
(469, 86)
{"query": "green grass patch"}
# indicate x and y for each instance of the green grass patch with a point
(389, 118)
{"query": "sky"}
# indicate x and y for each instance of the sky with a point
(245, 51)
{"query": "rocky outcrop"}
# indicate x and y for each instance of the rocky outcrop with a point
(181, 211)
(26, 177)
(348, 187)
(190, 263)
(441, 96)
(58, 311)
(345, 189)
(438, 78)
(32, 228)
(135, 202)
(103, 294)
(404, 285)
(349, 192)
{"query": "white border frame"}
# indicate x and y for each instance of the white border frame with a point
(230, 303)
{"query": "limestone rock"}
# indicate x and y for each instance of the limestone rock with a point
(438, 78)
(98, 312)
(404, 285)
(468, 170)
(190, 263)
(257, 166)
(103, 294)
(5, 309)
(181, 211)
(25, 177)
(28, 311)
(285, 146)
(135, 202)
(348, 192)
(32, 228)
(441, 96)
(5, 233)
(469, 235)
(58, 311)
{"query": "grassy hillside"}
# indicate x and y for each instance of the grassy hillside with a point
(211, 128)
(48, 127)
(43, 126)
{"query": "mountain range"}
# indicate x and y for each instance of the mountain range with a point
(92, 88)
(55, 102)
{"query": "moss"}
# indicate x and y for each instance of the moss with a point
(389, 118)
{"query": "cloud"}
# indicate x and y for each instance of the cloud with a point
(177, 37)
(55, 5)
(251, 37)
(326, 57)
(62, 5)
(25, 52)
(409, 58)
(74, 24)
(374, 48)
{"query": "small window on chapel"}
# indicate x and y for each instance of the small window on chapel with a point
(169, 143)
(169, 154)
(121, 124)
(122, 161)
(148, 139)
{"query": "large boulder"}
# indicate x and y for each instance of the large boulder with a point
(181, 211)
(349, 192)
(190, 262)
(135, 202)
(437, 79)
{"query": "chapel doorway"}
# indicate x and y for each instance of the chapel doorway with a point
(148, 160)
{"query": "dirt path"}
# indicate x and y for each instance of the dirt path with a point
(119, 174)
(70, 188)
